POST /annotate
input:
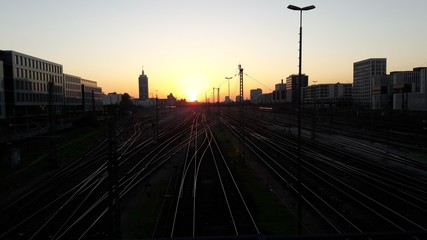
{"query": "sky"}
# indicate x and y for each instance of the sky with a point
(188, 47)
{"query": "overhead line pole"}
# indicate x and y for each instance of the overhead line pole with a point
(242, 116)
(228, 78)
(217, 96)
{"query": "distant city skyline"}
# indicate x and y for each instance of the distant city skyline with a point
(188, 47)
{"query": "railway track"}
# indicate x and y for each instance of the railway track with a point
(352, 187)
(364, 196)
(204, 179)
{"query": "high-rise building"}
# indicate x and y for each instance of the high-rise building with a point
(292, 87)
(279, 94)
(255, 95)
(363, 78)
(143, 86)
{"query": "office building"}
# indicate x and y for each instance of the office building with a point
(171, 100)
(72, 90)
(292, 83)
(328, 93)
(382, 92)
(265, 98)
(410, 89)
(279, 93)
(363, 75)
(91, 95)
(26, 83)
(255, 95)
(227, 99)
(143, 86)
(111, 99)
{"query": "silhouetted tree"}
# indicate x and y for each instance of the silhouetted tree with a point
(125, 104)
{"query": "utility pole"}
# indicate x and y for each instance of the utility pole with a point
(213, 95)
(113, 193)
(242, 116)
(52, 127)
(156, 121)
(313, 134)
(93, 103)
(217, 96)
(228, 78)
(83, 99)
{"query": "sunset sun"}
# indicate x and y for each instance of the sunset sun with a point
(192, 97)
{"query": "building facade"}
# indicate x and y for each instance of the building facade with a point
(328, 93)
(409, 90)
(382, 92)
(255, 95)
(27, 84)
(363, 73)
(143, 86)
(279, 93)
(112, 99)
(292, 83)
(72, 90)
(91, 95)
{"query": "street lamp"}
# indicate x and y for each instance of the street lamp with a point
(228, 78)
(292, 7)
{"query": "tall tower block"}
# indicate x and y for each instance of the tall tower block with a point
(143, 86)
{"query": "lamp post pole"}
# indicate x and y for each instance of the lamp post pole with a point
(292, 7)
(228, 78)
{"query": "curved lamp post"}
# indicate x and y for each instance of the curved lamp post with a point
(292, 7)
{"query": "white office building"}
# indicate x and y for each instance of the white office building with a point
(72, 90)
(363, 76)
(26, 81)
(328, 93)
(111, 99)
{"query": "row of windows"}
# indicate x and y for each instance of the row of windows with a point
(36, 97)
(89, 83)
(31, 86)
(72, 86)
(71, 79)
(35, 86)
(35, 75)
(72, 94)
(32, 63)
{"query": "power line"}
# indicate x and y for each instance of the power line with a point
(210, 89)
(259, 82)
